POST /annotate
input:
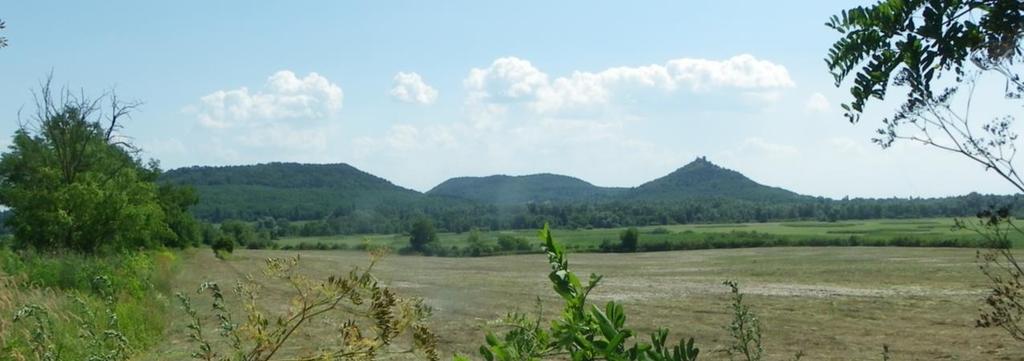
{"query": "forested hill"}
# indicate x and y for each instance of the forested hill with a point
(702, 179)
(288, 190)
(535, 188)
(697, 180)
(338, 198)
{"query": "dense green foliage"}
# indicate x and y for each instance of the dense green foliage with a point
(629, 239)
(913, 42)
(3, 39)
(874, 233)
(309, 204)
(175, 202)
(291, 191)
(582, 331)
(422, 235)
(702, 179)
(75, 307)
(72, 184)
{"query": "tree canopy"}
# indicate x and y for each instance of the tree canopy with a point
(3, 40)
(629, 239)
(422, 234)
(911, 44)
(72, 182)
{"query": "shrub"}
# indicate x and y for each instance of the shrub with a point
(110, 309)
(745, 328)
(584, 332)
(509, 243)
(660, 230)
(629, 239)
(223, 244)
(607, 246)
(422, 234)
(378, 317)
(475, 245)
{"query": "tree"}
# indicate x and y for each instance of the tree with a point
(629, 239)
(3, 40)
(175, 201)
(508, 242)
(910, 44)
(73, 182)
(239, 232)
(422, 234)
(475, 244)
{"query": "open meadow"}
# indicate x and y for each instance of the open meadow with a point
(832, 303)
(511, 180)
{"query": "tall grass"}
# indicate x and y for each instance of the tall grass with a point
(73, 307)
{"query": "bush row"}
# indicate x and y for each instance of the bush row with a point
(508, 244)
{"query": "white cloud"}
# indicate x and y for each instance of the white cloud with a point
(289, 117)
(817, 103)
(284, 97)
(741, 71)
(765, 148)
(518, 119)
(410, 88)
(506, 79)
(514, 80)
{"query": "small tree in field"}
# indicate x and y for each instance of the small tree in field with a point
(629, 239)
(422, 234)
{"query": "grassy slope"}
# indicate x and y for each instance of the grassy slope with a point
(937, 228)
(832, 303)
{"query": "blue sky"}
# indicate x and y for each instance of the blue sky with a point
(616, 93)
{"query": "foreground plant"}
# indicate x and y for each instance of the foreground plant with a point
(1006, 277)
(101, 333)
(583, 332)
(368, 318)
(745, 328)
(911, 44)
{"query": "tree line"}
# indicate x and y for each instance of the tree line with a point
(464, 217)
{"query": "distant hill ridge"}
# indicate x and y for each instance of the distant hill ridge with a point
(280, 175)
(703, 179)
(505, 189)
(299, 191)
(312, 191)
(699, 179)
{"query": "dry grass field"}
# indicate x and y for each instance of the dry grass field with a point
(832, 303)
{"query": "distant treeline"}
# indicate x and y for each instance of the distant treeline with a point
(329, 199)
(461, 216)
